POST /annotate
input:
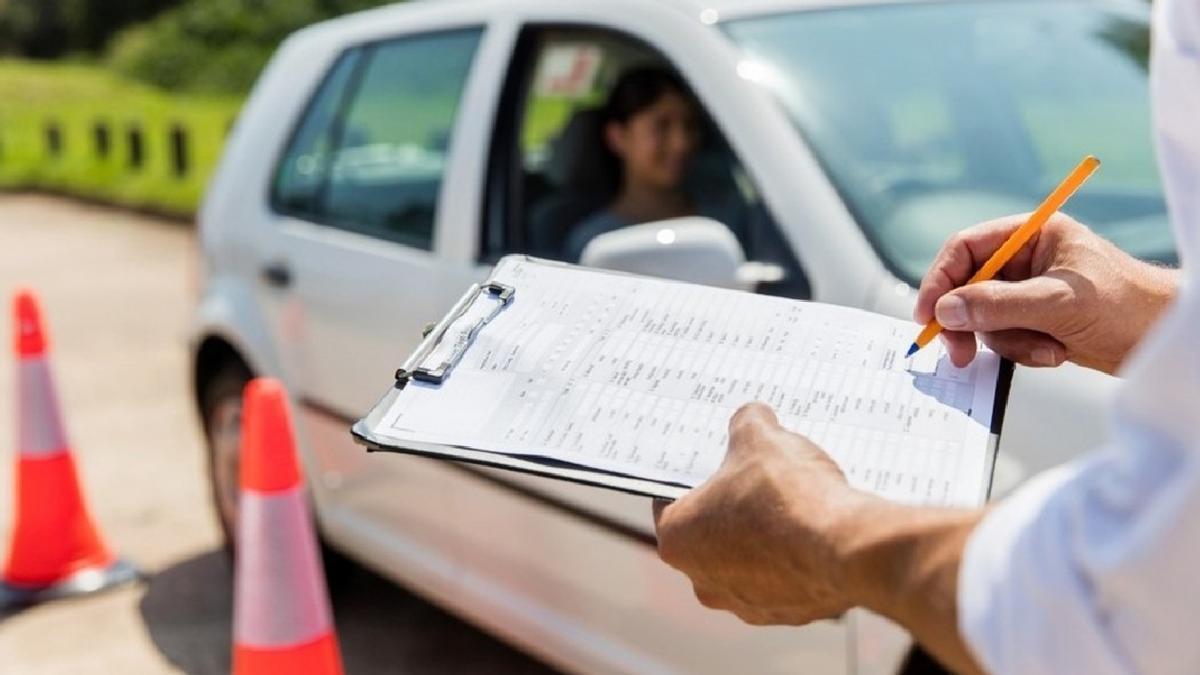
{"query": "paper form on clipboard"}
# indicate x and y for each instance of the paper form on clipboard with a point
(629, 382)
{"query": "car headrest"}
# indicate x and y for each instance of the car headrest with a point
(578, 159)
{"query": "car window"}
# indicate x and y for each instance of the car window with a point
(560, 172)
(565, 175)
(389, 138)
(958, 113)
(301, 173)
(569, 75)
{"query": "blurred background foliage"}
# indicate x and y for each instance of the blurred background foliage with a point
(216, 45)
(129, 101)
(213, 46)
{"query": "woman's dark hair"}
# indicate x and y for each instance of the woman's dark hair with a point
(640, 88)
(636, 89)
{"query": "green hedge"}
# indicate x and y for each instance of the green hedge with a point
(76, 100)
(216, 46)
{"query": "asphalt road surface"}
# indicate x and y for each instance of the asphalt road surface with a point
(115, 288)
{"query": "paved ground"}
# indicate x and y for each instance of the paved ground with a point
(116, 290)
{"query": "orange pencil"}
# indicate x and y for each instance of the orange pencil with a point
(1017, 239)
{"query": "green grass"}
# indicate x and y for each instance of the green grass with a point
(77, 98)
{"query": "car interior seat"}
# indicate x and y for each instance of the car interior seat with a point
(584, 177)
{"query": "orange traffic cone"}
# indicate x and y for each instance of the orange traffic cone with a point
(281, 617)
(55, 549)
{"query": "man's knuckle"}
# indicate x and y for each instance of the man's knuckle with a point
(669, 550)
(753, 618)
(987, 300)
(707, 598)
(746, 421)
(1059, 295)
(738, 419)
(752, 411)
(1063, 222)
(669, 555)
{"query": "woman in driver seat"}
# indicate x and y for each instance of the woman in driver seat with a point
(652, 128)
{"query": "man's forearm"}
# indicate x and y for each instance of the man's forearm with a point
(904, 561)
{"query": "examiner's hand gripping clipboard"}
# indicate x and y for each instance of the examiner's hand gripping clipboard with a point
(627, 382)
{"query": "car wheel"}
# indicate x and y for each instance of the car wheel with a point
(221, 404)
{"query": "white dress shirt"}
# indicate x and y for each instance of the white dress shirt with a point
(1095, 567)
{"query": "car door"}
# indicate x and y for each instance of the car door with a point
(352, 272)
(582, 555)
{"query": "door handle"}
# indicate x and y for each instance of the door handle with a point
(277, 274)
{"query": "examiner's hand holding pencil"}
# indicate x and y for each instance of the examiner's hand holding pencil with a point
(1067, 295)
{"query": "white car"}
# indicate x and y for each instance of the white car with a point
(386, 159)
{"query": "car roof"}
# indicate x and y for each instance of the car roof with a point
(730, 9)
(733, 9)
(725, 9)
(709, 11)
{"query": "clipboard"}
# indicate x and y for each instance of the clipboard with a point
(424, 365)
(444, 346)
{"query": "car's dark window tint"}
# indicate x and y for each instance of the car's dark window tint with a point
(380, 156)
(301, 173)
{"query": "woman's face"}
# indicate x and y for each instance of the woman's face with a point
(656, 144)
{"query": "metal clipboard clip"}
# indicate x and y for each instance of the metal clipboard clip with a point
(437, 373)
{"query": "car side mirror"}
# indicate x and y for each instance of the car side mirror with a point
(694, 249)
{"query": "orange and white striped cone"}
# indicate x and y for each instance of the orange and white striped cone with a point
(55, 549)
(281, 617)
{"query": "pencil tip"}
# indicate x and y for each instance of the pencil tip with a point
(912, 350)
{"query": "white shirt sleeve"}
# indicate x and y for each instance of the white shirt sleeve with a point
(1095, 567)
(1091, 568)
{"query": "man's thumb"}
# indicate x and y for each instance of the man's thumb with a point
(987, 306)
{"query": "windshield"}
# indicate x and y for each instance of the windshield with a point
(932, 117)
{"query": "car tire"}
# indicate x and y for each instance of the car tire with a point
(221, 408)
(221, 412)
